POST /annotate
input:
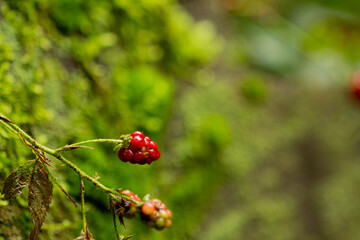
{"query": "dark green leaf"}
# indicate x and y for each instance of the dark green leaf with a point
(40, 194)
(17, 180)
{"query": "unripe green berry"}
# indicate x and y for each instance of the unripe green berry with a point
(160, 223)
(131, 212)
(163, 214)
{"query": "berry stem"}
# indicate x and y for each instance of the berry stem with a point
(21, 133)
(71, 146)
(118, 237)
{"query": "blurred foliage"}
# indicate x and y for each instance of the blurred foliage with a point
(248, 104)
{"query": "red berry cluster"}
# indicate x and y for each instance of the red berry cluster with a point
(154, 213)
(141, 150)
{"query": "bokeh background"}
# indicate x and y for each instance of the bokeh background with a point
(248, 100)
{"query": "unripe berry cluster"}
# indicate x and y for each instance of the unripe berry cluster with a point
(132, 195)
(140, 151)
(154, 213)
(125, 207)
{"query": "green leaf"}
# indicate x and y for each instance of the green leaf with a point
(40, 194)
(17, 180)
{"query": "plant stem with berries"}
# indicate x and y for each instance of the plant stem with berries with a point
(55, 153)
(134, 148)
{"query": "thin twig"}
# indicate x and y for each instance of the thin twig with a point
(83, 205)
(77, 145)
(114, 219)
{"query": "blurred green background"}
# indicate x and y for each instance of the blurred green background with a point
(247, 99)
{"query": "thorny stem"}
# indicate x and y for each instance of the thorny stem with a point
(83, 205)
(16, 129)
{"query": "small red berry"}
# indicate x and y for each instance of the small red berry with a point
(153, 145)
(128, 192)
(125, 155)
(169, 213)
(149, 160)
(148, 209)
(142, 162)
(137, 141)
(137, 133)
(147, 141)
(139, 156)
(156, 202)
(137, 198)
(133, 148)
(162, 206)
(153, 154)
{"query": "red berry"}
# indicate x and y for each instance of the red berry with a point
(142, 162)
(149, 160)
(128, 192)
(153, 145)
(139, 156)
(133, 148)
(136, 198)
(137, 141)
(147, 141)
(162, 206)
(137, 133)
(156, 202)
(125, 155)
(148, 209)
(169, 213)
(153, 154)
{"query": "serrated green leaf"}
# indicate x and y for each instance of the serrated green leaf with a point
(40, 194)
(17, 180)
